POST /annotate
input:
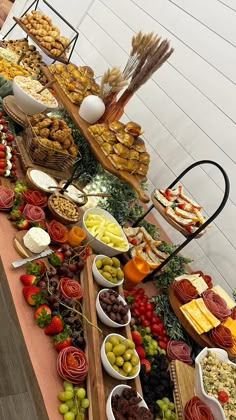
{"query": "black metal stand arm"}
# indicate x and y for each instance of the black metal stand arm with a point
(202, 227)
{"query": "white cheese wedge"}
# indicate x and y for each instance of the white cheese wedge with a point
(196, 280)
(222, 293)
(36, 240)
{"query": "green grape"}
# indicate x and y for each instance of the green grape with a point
(166, 400)
(68, 386)
(172, 406)
(173, 416)
(63, 408)
(70, 403)
(74, 410)
(81, 393)
(85, 403)
(159, 402)
(164, 407)
(154, 344)
(82, 410)
(151, 352)
(69, 416)
(69, 395)
(61, 396)
(75, 389)
(168, 414)
(80, 416)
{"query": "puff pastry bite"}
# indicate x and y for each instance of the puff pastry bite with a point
(116, 126)
(139, 145)
(144, 158)
(107, 148)
(99, 139)
(133, 154)
(125, 139)
(132, 166)
(121, 150)
(142, 169)
(133, 128)
(119, 162)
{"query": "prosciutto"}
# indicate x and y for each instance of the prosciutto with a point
(216, 304)
(33, 213)
(178, 350)
(196, 409)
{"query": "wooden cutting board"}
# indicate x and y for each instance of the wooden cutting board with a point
(183, 377)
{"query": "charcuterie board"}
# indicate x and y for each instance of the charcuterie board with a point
(182, 376)
(202, 339)
(100, 383)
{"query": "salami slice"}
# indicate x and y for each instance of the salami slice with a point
(196, 409)
(216, 304)
(6, 198)
(33, 213)
(70, 288)
(35, 198)
(233, 313)
(222, 336)
(58, 232)
(184, 290)
(72, 365)
(178, 350)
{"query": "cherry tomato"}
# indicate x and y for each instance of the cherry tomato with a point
(2, 121)
(140, 291)
(10, 137)
(142, 309)
(143, 318)
(2, 147)
(149, 315)
(137, 313)
(2, 154)
(150, 306)
(155, 320)
(164, 331)
(156, 329)
(136, 298)
(2, 164)
(162, 345)
(5, 129)
(223, 396)
(165, 339)
(146, 323)
(2, 171)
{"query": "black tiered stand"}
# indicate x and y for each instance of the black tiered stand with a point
(193, 235)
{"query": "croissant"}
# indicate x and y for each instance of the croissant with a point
(48, 39)
(44, 132)
(53, 33)
(56, 45)
(55, 51)
(41, 32)
(73, 150)
(46, 45)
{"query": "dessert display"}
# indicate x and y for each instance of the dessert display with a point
(180, 208)
(76, 82)
(219, 382)
(31, 59)
(122, 146)
(11, 70)
(52, 133)
(40, 26)
(36, 240)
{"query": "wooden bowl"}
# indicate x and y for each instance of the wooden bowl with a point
(39, 180)
(73, 190)
(60, 215)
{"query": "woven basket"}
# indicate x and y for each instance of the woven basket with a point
(46, 156)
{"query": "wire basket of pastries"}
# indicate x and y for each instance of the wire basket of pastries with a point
(63, 209)
(50, 142)
(122, 146)
(14, 50)
(76, 82)
(48, 35)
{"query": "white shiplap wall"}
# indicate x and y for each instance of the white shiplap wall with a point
(188, 109)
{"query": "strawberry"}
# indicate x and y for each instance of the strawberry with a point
(147, 365)
(62, 340)
(141, 352)
(22, 224)
(28, 279)
(42, 315)
(42, 266)
(137, 338)
(41, 224)
(56, 259)
(31, 294)
(55, 326)
(15, 215)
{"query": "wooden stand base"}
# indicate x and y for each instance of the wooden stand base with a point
(14, 112)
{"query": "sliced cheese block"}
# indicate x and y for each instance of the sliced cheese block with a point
(36, 240)
(231, 324)
(196, 310)
(221, 292)
(191, 319)
(209, 316)
(196, 280)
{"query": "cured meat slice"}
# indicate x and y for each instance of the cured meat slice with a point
(178, 350)
(33, 213)
(57, 231)
(222, 336)
(196, 409)
(35, 198)
(184, 290)
(70, 288)
(6, 198)
(72, 365)
(216, 304)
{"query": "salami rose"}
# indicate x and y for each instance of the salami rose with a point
(33, 213)
(72, 365)
(70, 288)
(35, 198)
(6, 198)
(178, 350)
(57, 232)
(216, 304)
(233, 313)
(222, 336)
(196, 409)
(184, 290)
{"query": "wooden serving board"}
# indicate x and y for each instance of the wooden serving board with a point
(62, 59)
(202, 339)
(161, 209)
(183, 377)
(19, 245)
(73, 110)
(100, 384)
(14, 112)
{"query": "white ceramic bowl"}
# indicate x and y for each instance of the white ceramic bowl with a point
(118, 391)
(104, 318)
(108, 367)
(211, 402)
(98, 277)
(27, 103)
(97, 245)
